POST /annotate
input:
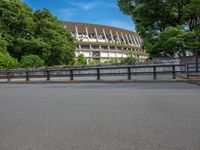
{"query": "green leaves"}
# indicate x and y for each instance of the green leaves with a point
(60, 42)
(129, 59)
(7, 62)
(169, 27)
(24, 32)
(81, 60)
(31, 61)
(174, 42)
(16, 18)
(3, 46)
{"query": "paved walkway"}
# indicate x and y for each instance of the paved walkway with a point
(131, 116)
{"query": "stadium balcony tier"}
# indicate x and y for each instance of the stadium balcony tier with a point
(103, 43)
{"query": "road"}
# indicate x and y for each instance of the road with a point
(123, 116)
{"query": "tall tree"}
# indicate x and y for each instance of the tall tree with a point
(152, 17)
(50, 30)
(16, 23)
(24, 32)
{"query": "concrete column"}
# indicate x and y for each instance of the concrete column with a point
(123, 37)
(105, 35)
(135, 42)
(87, 33)
(90, 54)
(138, 43)
(97, 38)
(131, 39)
(112, 36)
(127, 39)
(118, 37)
(76, 28)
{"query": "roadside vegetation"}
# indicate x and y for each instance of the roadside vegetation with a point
(81, 60)
(31, 61)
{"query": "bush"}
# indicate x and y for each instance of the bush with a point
(31, 61)
(111, 61)
(7, 62)
(81, 60)
(129, 59)
(94, 62)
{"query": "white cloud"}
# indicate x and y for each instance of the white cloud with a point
(67, 14)
(92, 5)
(86, 6)
(120, 24)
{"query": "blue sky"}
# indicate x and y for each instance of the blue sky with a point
(105, 12)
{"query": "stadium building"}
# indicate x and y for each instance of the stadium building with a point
(103, 43)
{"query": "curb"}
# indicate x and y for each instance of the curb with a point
(95, 81)
(195, 82)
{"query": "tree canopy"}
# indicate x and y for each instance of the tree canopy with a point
(166, 25)
(24, 32)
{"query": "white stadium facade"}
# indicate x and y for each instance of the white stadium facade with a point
(103, 43)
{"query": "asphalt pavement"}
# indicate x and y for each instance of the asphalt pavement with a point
(99, 116)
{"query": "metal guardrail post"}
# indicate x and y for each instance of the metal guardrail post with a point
(48, 75)
(187, 70)
(154, 73)
(129, 73)
(8, 77)
(71, 75)
(173, 72)
(197, 67)
(98, 74)
(27, 76)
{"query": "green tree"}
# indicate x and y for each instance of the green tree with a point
(174, 42)
(60, 42)
(24, 32)
(31, 61)
(81, 60)
(152, 17)
(16, 22)
(7, 62)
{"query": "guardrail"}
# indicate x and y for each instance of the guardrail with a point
(98, 72)
(193, 70)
